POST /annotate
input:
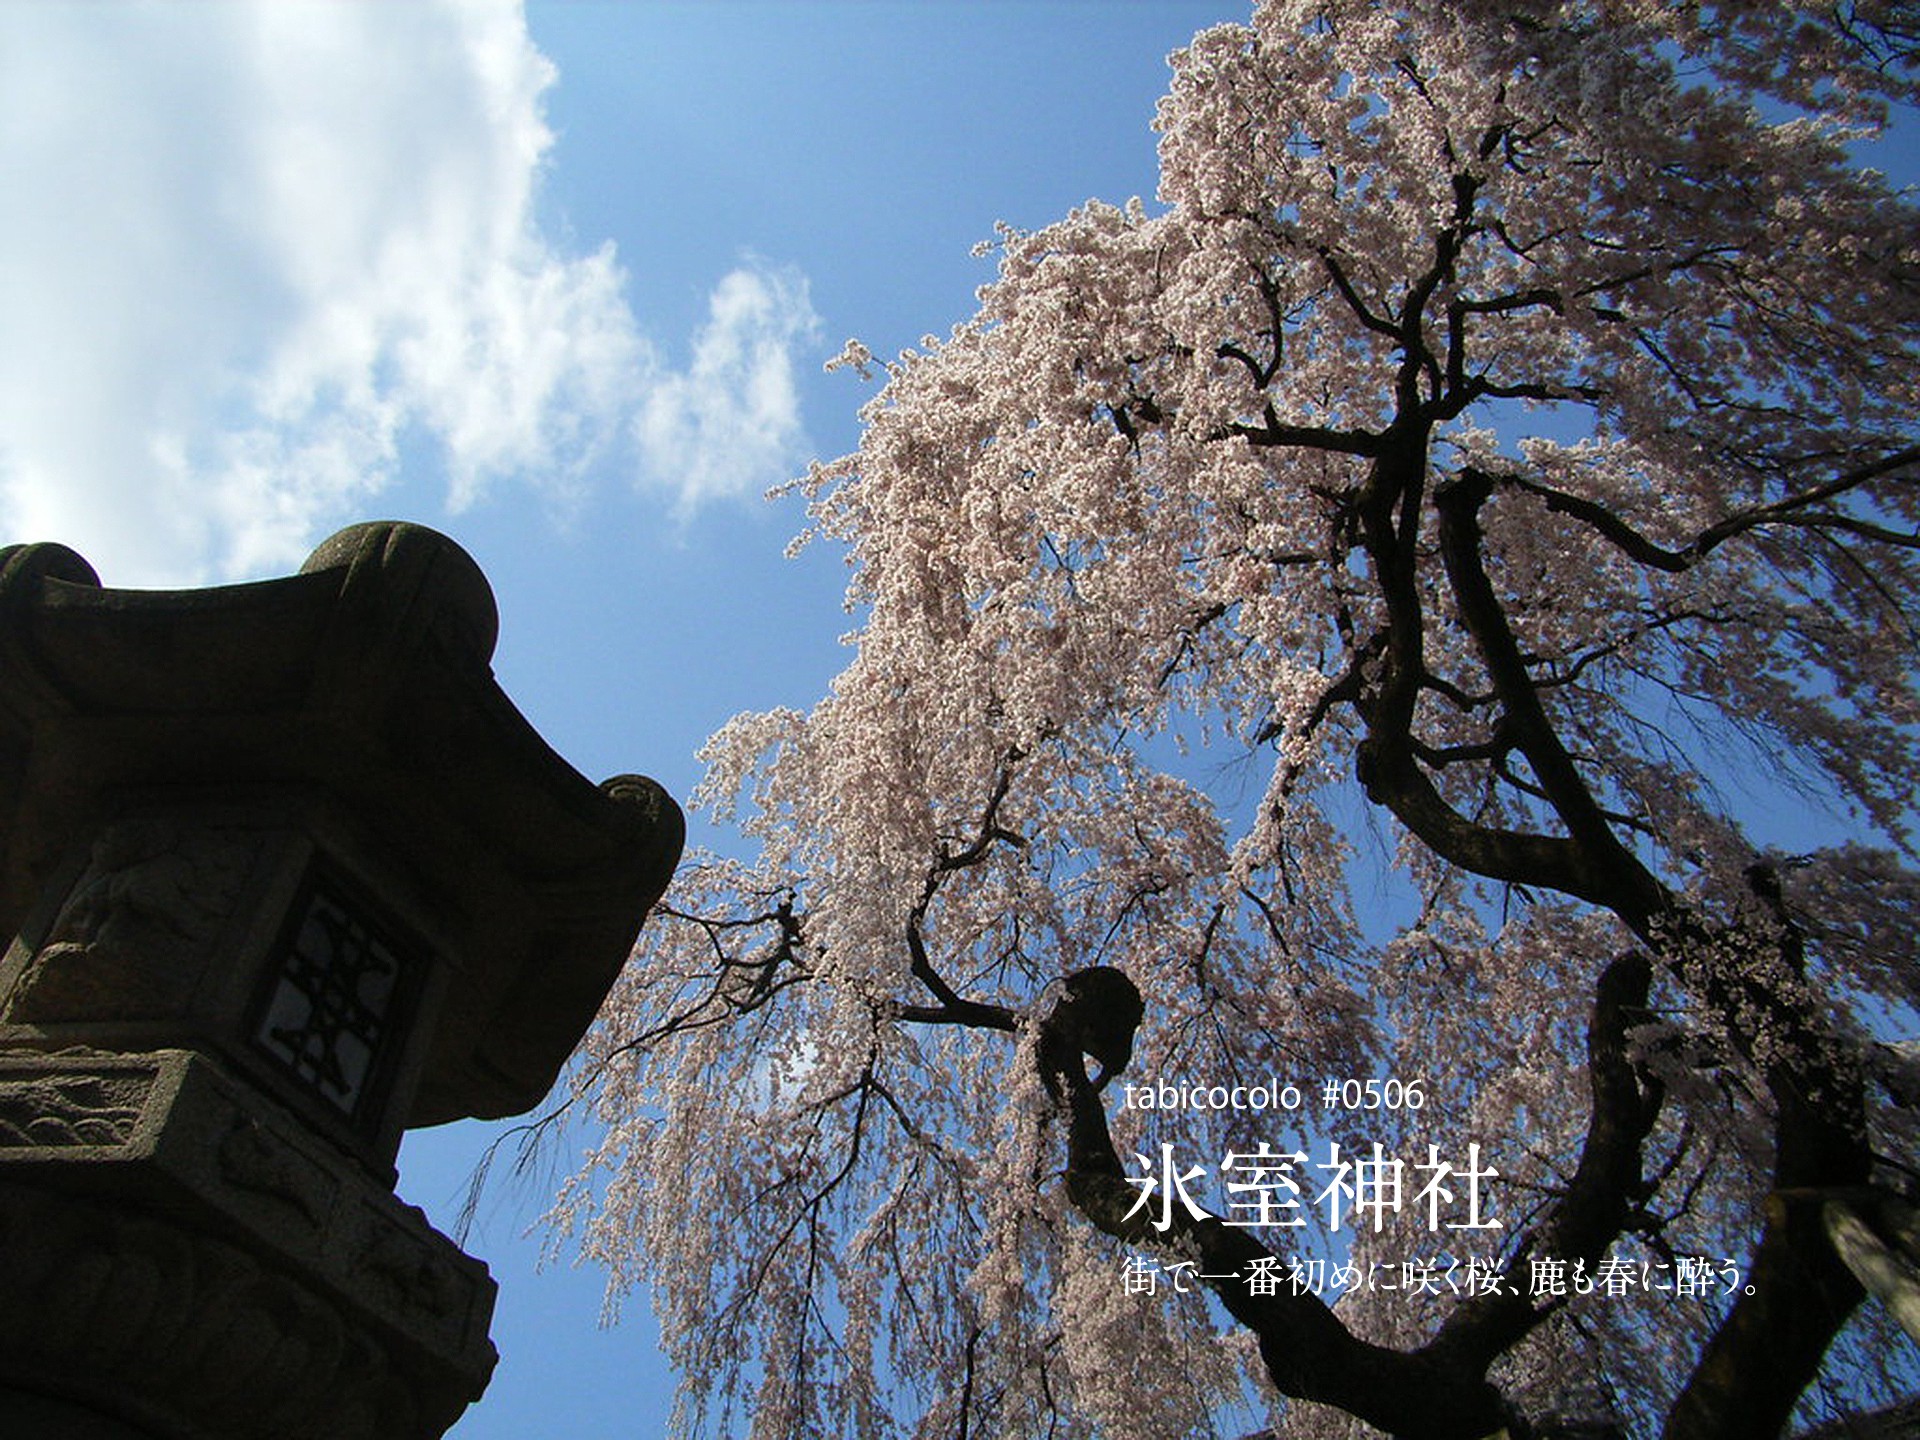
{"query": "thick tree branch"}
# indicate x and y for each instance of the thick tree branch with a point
(1796, 509)
(1607, 1188)
(1308, 1352)
(1799, 1292)
(1386, 760)
(1608, 870)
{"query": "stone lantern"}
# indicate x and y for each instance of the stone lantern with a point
(285, 873)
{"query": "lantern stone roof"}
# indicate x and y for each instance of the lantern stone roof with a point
(362, 688)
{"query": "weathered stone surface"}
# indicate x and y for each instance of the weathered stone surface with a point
(282, 871)
(360, 688)
(169, 1133)
(127, 941)
(187, 1337)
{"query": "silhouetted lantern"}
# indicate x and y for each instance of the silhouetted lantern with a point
(286, 873)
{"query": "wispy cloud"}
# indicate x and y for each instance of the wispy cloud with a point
(250, 248)
(731, 420)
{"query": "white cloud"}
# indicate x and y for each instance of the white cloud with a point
(731, 421)
(248, 248)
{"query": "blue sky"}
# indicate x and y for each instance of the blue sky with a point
(558, 281)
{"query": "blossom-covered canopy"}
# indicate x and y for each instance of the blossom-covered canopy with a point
(1431, 599)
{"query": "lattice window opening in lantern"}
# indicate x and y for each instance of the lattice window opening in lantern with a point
(335, 1001)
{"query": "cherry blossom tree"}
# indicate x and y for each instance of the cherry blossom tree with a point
(1432, 600)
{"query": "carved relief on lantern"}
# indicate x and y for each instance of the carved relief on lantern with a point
(129, 941)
